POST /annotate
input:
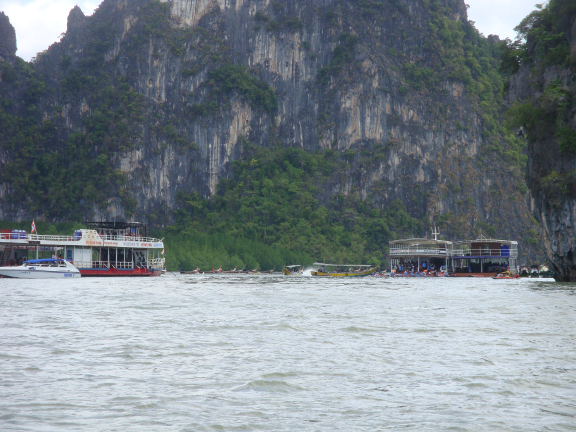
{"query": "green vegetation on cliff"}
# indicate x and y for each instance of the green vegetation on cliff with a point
(460, 54)
(542, 38)
(231, 78)
(547, 116)
(64, 177)
(542, 67)
(543, 42)
(270, 215)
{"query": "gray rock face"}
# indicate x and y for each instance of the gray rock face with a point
(428, 149)
(76, 19)
(7, 38)
(551, 173)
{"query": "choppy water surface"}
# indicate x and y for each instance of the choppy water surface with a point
(269, 353)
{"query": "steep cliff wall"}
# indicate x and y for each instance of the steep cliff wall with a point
(7, 38)
(162, 97)
(541, 94)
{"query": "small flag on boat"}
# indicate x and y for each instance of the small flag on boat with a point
(53, 256)
(162, 251)
(33, 226)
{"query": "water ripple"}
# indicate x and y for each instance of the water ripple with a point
(268, 353)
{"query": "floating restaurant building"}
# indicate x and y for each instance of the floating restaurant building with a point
(419, 253)
(480, 257)
(484, 257)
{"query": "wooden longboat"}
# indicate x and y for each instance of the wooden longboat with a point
(293, 270)
(197, 271)
(344, 273)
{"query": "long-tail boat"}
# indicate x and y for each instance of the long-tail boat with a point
(344, 270)
(197, 271)
(293, 270)
(254, 271)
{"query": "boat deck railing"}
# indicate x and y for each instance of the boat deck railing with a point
(61, 238)
(150, 264)
(484, 252)
(412, 251)
(57, 238)
(129, 238)
(460, 252)
(156, 263)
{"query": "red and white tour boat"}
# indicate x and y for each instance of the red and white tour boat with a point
(103, 249)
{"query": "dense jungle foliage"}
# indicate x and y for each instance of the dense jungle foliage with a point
(56, 172)
(466, 56)
(270, 215)
(543, 42)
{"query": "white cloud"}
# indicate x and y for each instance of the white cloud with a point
(499, 17)
(39, 23)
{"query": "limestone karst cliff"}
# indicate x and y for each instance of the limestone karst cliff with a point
(145, 99)
(7, 38)
(541, 95)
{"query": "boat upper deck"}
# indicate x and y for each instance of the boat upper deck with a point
(485, 248)
(414, 247)
(82, 238)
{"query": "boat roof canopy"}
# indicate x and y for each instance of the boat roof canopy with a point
(343, 265)
(420, 241)
(485, 240)
(294, 265)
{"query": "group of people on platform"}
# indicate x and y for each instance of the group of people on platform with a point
(487, 266)
(418, 273)
(412, 267)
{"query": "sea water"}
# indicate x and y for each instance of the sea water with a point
(276, 353)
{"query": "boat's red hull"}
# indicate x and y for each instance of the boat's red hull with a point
(119, 272)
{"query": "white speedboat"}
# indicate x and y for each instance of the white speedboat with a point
(41, 269)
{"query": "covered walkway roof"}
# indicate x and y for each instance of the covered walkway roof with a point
(419, 241)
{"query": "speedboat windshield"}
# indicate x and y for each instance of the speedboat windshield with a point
(45, 261)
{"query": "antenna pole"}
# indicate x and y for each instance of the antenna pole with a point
(435, 232)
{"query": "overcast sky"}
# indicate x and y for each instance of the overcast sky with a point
(38, 23)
